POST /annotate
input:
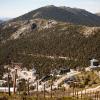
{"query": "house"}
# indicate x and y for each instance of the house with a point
(94, 64)
(54, 72)
(64, 71)
(70, 80)
(61, 71)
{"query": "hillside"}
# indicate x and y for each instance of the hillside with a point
(34, 39)
(65, 14)
(49, 44)
(1, 21)
(98, 14)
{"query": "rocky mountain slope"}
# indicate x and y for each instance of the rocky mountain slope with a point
(19, 29)
(65, 14)
(1, 21)
(47, 44)
(98, 14)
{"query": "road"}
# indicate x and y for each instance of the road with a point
(60, 80)
(90, 90)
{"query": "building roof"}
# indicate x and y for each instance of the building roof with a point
(94, 60)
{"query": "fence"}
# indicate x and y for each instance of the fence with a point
(72, 92)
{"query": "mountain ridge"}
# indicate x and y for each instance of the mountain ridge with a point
(64, 14)
(98, 14)
(34, 41)
(1, 21)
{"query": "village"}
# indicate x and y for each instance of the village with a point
(57, 79)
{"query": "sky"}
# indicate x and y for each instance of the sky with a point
(15, 8)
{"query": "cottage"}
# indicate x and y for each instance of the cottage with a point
(70, 80)
(94, 63)
(61, 71)
(64, 71)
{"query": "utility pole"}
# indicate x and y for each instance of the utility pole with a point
(37, 85)
(51, 86)
(9, 82)
(14, 82)
(9, 62)
(28, 86)
(44, 91)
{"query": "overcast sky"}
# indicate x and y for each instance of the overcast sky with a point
(14, 8)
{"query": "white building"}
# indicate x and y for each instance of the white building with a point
(94, 63)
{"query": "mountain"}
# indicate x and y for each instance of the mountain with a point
(1, 21)
(65, 14)
(37, 39)
(48, 44)
(5, 18)
(98, 14)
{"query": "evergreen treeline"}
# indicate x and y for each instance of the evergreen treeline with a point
(62, 40)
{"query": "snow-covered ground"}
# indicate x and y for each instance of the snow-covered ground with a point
(22, 74)
(30, 74)
(5, 89)
(56, 82)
